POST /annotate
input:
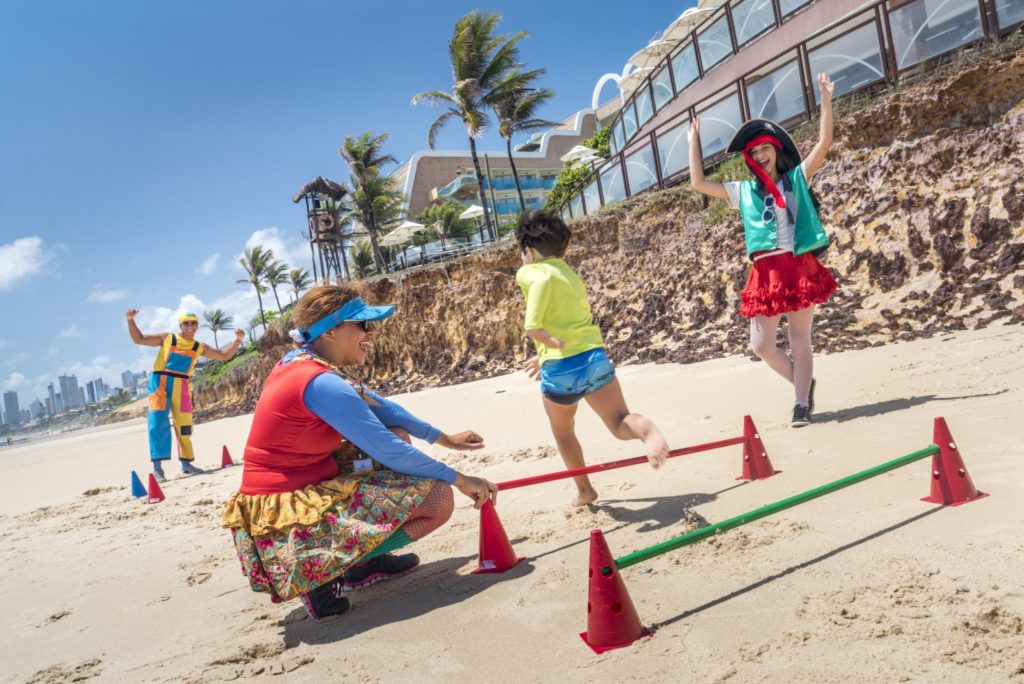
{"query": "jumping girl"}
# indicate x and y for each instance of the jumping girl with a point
(783, 234)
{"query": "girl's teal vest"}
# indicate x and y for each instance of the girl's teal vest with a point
(761, 235)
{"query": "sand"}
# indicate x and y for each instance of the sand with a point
(869, 584)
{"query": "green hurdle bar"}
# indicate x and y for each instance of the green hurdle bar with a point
(763, 512)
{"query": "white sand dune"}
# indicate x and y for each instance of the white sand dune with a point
(869, 584)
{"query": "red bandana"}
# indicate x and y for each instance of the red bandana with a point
(761, 174)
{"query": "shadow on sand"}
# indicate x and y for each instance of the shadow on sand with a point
(890, 406)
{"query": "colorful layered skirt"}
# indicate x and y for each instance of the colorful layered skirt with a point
(782, 282)
(291, 543)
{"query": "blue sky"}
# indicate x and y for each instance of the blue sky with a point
(144, 145)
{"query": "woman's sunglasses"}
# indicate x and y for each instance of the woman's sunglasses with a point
(769, 209)
(367, 326)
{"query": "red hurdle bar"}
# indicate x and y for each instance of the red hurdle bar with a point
(636, 460)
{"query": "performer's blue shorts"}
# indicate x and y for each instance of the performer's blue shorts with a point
(566, 381)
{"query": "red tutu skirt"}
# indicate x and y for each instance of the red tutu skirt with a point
(783, 282)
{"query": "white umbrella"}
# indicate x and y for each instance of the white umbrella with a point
(578, 153)
(682, 26)
(474, 211)
(633, 81)
(398, 236)
(652, 53)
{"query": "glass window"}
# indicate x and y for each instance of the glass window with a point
(718, 124)
(789, 6)
(674, 150)
(684, 67)
(591, 197)
(662, 84)
(751, 17)
(925, 28)
(1009, 12)
(566, 214)
(629, 120)
(612, 184)
(714, 43)
(618, 139)
(852, 61)
(644, 109)
(776, 94)
(640, 169)
(577, 206)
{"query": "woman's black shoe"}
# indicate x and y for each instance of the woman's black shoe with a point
(326, 601)
(801, 416)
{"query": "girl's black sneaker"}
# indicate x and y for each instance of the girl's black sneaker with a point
(384, 567)
(326, 601)
(801, 416)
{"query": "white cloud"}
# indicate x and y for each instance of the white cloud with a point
(15, 381)
(292, 250)
(209, 266)
(71, 331)
(103, 296)
(21, 259)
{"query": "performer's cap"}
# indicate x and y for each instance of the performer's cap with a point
(758, 127)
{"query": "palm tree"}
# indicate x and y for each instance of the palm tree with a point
(365, 158)
(376, 202)
(277, 274)
(516, 113)
(255, 263)
(362, 258)
(300, 280)
(444, 218)
(480, 62)
(216, 321)
(254, 323)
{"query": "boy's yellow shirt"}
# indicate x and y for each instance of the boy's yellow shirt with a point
(556, 300)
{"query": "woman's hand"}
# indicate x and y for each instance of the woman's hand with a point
(478, 489)
(693, 135)
(532, 368)
(131, 314)
(463, 441)
(827, 87)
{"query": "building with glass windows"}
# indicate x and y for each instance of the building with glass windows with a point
(432, 176)
(735, 60)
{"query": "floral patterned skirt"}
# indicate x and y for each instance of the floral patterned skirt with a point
(289, 544)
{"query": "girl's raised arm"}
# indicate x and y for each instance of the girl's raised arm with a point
(697, 166)
(817, 156)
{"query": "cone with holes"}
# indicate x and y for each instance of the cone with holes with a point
(156, 495)
(496, 552)
(137, 487)
(225, 458)
(612, 621)
(756, 464)
(951, 483)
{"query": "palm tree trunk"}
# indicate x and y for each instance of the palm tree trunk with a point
(515, 174)
(378, 257)
(215, 343)
(480, 182)
(276, 299)
(263, 316)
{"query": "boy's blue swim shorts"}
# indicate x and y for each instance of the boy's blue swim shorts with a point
(566, 381)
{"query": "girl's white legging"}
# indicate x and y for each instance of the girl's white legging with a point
(798, 369)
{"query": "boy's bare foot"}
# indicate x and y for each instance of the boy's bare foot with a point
(585, 497)
(657, 450)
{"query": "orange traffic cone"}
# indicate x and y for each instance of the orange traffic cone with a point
(496, 552)
(756, 464)
(612, 621)
(951, 483)
(225, 458)
(156, 495)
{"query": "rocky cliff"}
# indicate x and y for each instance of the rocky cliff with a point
(922, 194)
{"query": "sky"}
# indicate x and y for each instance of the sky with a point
(144, 145)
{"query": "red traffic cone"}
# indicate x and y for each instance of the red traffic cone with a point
(156, 495)
(756, 464)
(496, 552)
(951, 483)
(612, 621)
(225, 458)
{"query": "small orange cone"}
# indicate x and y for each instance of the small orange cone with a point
(496, 552)
(225, 458)
(756, 464)
(156, 495)
(612, 621)
(951, 483)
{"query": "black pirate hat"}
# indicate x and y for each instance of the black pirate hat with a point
(756, 127)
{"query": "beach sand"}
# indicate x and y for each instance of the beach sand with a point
(869, 584)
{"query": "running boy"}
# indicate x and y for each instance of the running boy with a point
(570, 360)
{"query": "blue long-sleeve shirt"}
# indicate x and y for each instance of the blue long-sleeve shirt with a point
(335, 401)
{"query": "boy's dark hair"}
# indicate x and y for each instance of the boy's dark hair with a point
(545, 231)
